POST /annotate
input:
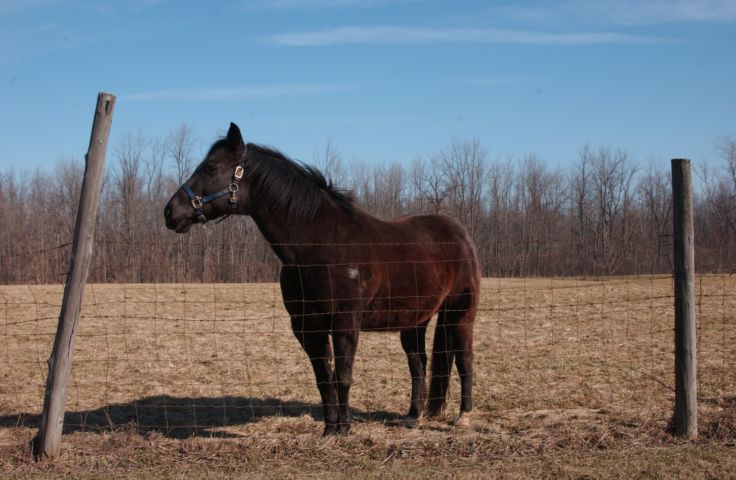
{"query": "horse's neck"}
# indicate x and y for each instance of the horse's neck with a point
(294, 244)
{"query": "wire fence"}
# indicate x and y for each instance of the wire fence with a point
(193, 359)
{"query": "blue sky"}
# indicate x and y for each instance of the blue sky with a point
(382, 80)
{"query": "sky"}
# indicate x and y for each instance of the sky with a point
(381, 80)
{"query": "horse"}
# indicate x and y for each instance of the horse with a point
(345, 271)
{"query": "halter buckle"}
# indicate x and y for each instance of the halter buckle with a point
(233, 187)
(197, 202)
(239, 171)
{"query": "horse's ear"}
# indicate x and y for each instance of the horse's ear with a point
(235, 138)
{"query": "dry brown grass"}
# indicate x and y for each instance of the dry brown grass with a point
(573, 379)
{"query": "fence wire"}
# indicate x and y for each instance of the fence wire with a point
(218, 358)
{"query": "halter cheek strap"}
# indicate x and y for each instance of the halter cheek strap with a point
(198, 202)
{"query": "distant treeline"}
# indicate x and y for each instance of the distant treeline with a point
(603, 214)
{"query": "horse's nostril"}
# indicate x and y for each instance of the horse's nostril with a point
(167, 212)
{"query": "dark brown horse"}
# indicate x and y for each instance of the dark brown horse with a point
(345, 270)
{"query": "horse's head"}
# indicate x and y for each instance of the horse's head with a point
(216, 188)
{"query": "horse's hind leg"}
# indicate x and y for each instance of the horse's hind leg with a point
(453, 340)
(461, 331)
(412, 341)
(442, 358)
(462, 334)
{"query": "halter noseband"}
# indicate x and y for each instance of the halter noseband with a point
(198, 202)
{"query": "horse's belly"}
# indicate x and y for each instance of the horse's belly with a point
(399, 313)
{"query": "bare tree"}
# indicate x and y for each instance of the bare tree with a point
(127, 179)
(727, 147)
(465, 172)
(598, 217)
(330, 162)
(540, 195)
(613, 173)
(583, 221)
(496, 250)
(717, 225)
(655, 195)
(153, 166)
(433, 185)
(68, 175)
(390, 186)
(381, 188)
(180, 145)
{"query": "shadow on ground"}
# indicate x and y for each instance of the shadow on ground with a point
(184, 417)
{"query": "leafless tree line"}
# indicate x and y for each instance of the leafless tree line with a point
(603, 215)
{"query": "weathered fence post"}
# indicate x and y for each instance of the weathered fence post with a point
(685, 420)
(46, 444)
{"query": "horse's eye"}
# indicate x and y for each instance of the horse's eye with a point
(211, 167)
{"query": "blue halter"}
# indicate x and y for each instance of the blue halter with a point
(198, 201)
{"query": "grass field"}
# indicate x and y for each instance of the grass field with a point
(573, 378)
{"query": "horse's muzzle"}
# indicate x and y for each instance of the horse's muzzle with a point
(172, 223)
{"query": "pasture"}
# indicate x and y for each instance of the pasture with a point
(573, 378)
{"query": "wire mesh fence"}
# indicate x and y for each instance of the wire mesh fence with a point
(218, 359)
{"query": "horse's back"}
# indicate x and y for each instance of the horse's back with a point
(450, 245)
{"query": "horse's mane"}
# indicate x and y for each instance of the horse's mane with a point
(300, 188)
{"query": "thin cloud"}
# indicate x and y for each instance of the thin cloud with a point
(10, 7)
(635, 12)
(307, 4)
(243, 93)
(406, 35)
(621, 12)
(13, 7)
(494, 81)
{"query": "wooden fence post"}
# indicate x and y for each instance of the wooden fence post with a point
(685, 419)
(46, 444)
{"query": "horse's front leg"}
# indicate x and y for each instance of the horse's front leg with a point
(412, 340)
(317, 346)
(344, 343)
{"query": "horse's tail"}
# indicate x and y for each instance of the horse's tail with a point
(443, 356)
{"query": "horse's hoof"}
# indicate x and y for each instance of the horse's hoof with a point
(330, 430)
(410, 422)
(343, 428)
(435, 410)
(463, 420)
